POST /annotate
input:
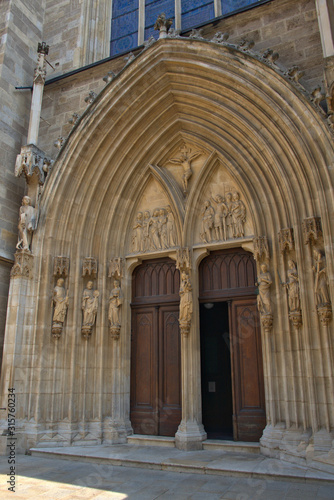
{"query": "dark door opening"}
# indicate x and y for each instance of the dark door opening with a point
(217, 406)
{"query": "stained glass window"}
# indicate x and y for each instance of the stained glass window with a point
(229, 6)
(124, 26)
(196, 12)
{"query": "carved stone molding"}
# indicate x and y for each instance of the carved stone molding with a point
(23, 265)
(261, 248)
(89, 267)
(325, 314)
(312, 229)
(286, 240)
(296, 318)
(183, 260)
(267, 322)
(61, 266)
(32, 161)
(116, 268)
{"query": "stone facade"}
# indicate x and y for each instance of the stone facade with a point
(195, 145)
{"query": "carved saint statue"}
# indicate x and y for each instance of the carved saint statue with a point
(228, 220)
(238, 213)
(292, 285)
(27, 224)
(207, 221)
(114, 313)
(90, 301)
(137, 235)
(264, 282)
(163, 228)
(186, 303)
(171, 231)
(154, 231)
(60, 303)
(146, 231)
(185, 161)
(220, 217)
(321, 279)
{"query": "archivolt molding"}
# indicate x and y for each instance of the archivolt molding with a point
(223, 98)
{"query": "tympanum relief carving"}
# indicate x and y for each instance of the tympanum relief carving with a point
(224, 220)
(154, 230)
(187, 155)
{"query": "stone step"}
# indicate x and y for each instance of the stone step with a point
(138, 439)
(236, 446)
(214, 462)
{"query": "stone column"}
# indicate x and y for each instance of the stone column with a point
(190, 433)
(37, 94)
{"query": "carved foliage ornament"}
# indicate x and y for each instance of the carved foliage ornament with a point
(261, 248)
(89, 267)
(61, 266)
(23, 266)
(32, 161)
(286, 240)
(312, 229)
(154, 231)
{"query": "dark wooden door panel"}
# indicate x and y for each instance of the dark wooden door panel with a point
(249, 403)
(170, 371)
(144, 408)
(155, 406)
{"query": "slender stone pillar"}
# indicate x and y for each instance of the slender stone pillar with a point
(190, 433)
(37, 94)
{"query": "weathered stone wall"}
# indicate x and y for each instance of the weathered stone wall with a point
(20, 31)
(289, 27)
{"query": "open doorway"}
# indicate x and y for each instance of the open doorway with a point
(217, 406)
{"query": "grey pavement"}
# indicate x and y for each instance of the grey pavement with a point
(57, 478)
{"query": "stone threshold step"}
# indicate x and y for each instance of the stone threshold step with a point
(209, 444)
(187, 464)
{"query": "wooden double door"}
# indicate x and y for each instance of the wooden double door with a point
(233, 403)
(155, 406)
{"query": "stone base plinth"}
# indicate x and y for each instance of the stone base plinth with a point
(190, 436)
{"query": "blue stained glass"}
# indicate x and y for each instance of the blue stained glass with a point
(197, 16)
(123, 7)
(124, 44)
(156, 7)
(187, 5)
(124, 25)
(233, 5)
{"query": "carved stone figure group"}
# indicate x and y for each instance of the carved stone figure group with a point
(225, 221)
(154, 231)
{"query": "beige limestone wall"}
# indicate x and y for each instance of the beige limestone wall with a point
(21, 27)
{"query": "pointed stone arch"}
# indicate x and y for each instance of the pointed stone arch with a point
(275, 144)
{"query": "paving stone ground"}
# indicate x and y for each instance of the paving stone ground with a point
(53, 479)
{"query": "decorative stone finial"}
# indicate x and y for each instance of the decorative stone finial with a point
(59, 142)
(43, 48)
(91, 97)
(149, 42)
(196, 34)
(74, 118)
(246, 45)
(162, 24)
(109, 77)
(220, 37)
(295, 74)
(271, 56)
